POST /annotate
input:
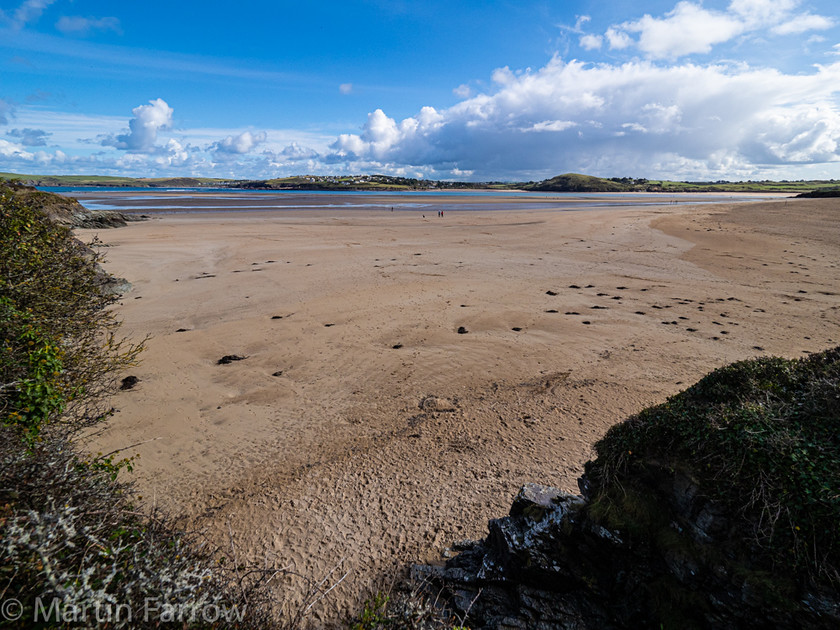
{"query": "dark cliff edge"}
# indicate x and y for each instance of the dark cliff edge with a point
(717, 509)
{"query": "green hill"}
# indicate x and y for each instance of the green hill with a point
(575, 182)
(105, 180)
(568, 182)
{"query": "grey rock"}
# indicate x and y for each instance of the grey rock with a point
(436, 404)
(551, 564)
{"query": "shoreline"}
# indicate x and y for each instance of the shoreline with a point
(321, 445)
(196, 201)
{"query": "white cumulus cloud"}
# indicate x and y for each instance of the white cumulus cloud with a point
(607, 118)
(176, 153)
(295, 153)
(803, 23)
(244, 142)
(12, 150)
(618, 39)
(689, 28)
(591, 42)
(755, 13)
(143, 128)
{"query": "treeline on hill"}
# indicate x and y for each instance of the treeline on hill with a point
(113, 181)
(382, 183)
(568, 182)
(575, 182)
(74, 550)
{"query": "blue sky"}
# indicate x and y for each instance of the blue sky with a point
(720, 89)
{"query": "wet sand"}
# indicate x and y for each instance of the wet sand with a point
(362, 430)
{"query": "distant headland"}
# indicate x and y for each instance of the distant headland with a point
(568, 182)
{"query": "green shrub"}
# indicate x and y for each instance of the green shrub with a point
(37, 396)
(73, 549)
(762, 437)
(59, 349)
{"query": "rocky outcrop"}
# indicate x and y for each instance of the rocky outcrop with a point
(67, 211)
(550, 564)
(716, 509)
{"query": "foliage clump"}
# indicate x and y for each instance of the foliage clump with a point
(59, 346)
(762, 439)
(73, 549)
(409, 607)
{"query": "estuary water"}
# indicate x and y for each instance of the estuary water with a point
(192, 200)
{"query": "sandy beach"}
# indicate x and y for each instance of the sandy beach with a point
(362, 431)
